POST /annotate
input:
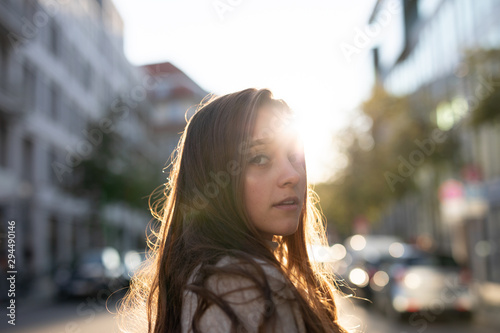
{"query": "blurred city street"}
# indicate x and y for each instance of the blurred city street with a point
(65, 317)
(71, 316)
(398, 104)
(362, 318)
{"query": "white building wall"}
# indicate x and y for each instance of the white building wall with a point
(54, 94)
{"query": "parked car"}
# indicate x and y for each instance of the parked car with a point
(364, 255)
(421, 281)
(93, 270)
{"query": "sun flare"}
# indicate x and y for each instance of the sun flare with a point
(321, 154)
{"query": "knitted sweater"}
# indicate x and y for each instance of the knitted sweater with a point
(246, 301)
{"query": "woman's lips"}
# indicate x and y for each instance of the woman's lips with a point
(289, 203)
(287, 207)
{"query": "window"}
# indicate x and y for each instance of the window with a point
(77, 67)
(3, 142)
(55, 102)
(72, 117)
(86, 74)
(54, 250)
(64, 111)
(81, 120)
(29, 86)
(70, 58)
(43, 101)
(30, 79)
(27, 162)
(4, 66)
(54, 174)
(54, 38)
(61, 174)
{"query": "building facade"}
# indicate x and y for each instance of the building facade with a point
(62, 68)
(431, 61)
(174, 99)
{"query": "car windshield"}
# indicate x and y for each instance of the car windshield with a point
(93, 257)
(438, 261)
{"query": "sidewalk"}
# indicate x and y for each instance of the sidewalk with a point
(25, 308)
(55, 315)
(488, 304)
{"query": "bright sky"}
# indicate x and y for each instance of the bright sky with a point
(292, 47)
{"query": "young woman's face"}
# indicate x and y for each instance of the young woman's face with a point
(275, 179)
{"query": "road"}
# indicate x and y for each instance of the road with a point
(88, 315)
(361, 318)
(70, 316)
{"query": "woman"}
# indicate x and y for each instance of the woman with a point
(236, 219)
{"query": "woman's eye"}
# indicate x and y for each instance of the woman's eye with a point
(295, 157)
(259, 160)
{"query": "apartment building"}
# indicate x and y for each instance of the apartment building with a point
(62, 72)
(429, 60)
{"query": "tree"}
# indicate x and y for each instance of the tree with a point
(383, 160)
(485, 64)
(115, 171)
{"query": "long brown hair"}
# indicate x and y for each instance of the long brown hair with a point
(202, 219)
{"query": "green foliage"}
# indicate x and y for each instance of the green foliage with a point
(484, 64)
(380, 169)
(116, 171)
(488, 109)
(364, 187)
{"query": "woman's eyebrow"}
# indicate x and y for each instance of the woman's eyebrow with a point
(259, 142)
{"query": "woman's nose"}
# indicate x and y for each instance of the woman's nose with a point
(288, 174)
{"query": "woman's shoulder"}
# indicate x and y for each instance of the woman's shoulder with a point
(251, 288)
(251, 265)
(236, 273)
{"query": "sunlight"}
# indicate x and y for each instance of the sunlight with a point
(319, 149)
(307, 70)
(316, 125)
